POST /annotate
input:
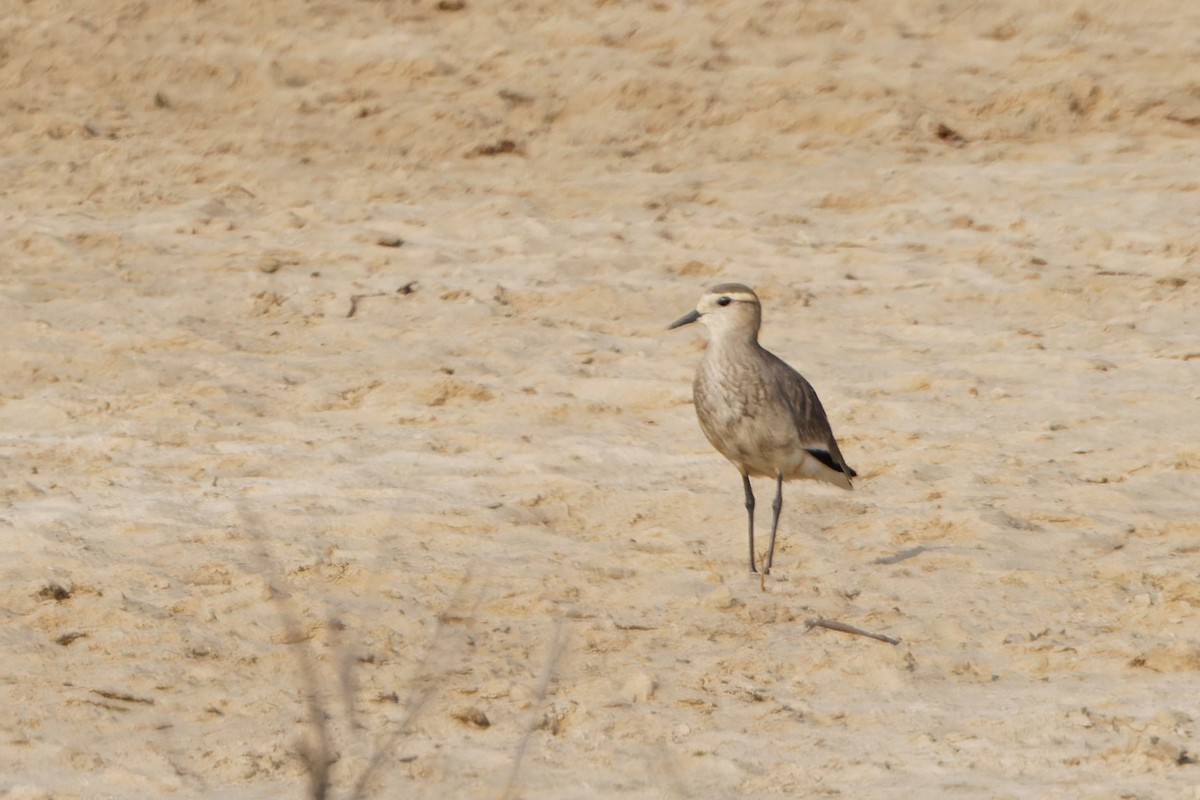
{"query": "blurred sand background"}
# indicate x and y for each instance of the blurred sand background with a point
(366, 301)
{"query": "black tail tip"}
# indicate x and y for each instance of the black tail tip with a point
(826, 458)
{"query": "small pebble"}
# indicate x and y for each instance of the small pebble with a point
(638, 689)
(720, 598)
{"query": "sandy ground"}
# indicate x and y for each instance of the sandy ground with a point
(335, 367)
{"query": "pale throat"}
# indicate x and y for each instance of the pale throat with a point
(731, 338)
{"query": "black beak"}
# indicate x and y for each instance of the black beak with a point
(686, 319)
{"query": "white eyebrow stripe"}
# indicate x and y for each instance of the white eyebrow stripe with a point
(741, 297)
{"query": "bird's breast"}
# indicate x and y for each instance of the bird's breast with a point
(742, 420)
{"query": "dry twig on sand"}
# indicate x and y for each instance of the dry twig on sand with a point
(834, 625)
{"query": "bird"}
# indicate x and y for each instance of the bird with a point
(756, 410)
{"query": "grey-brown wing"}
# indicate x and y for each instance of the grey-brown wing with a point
(812, 426)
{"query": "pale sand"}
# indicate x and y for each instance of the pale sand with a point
(500, 470)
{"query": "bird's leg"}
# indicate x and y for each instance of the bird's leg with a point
(750, 513)
(776, 507)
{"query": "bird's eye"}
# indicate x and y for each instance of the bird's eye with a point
(724, 301)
